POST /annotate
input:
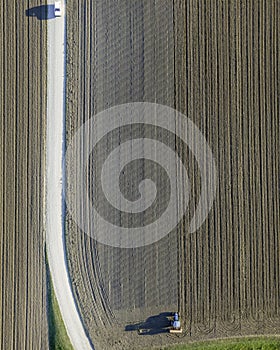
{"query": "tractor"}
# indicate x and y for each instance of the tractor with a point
(176, 324)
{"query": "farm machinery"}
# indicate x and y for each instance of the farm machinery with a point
(176, 324)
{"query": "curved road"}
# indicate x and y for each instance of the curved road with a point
(55, 216)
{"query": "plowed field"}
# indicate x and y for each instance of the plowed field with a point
(23, 320)
(218, 63)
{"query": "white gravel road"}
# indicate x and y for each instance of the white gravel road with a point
(55, 215)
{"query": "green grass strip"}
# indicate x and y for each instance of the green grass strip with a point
(58, 338)
(231, 344)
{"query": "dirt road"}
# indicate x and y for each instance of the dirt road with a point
(55, 212)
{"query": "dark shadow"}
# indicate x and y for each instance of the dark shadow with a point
(153, 325)
(43, 12)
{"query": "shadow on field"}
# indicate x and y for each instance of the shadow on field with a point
(153, 325)
(43, 12)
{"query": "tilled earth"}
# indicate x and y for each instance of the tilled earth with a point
(23, 62)
(218, 63)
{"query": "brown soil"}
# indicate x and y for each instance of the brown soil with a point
(23, 321)
(219, 64)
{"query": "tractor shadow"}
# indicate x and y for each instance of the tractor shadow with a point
(42, 13)
(153, 325)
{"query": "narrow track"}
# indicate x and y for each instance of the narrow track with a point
(55, 216)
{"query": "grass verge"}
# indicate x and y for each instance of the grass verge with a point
(58, 338)
(260, 343)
